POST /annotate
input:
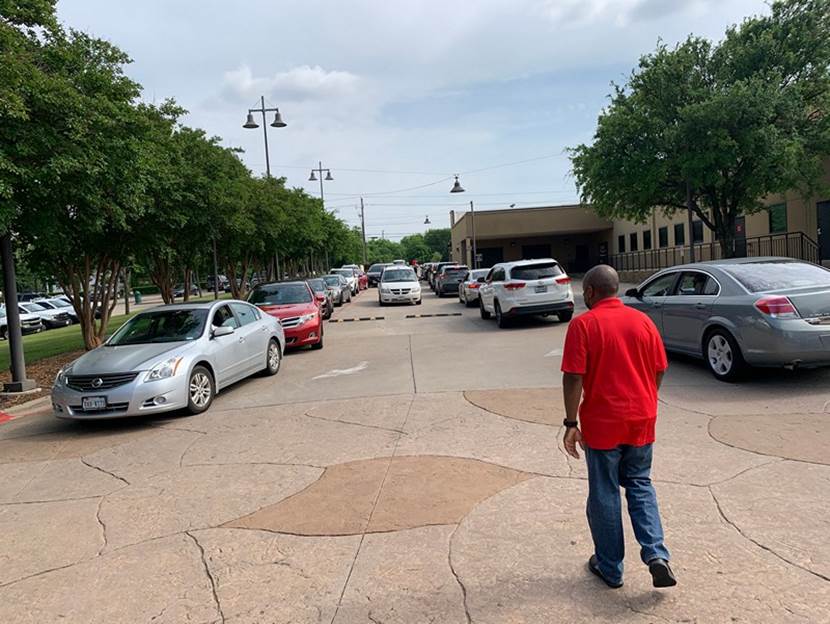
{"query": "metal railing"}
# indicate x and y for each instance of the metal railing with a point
(789, 244)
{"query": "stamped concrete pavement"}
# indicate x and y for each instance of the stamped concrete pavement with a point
(412, 471)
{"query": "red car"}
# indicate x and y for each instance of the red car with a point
(298, 311)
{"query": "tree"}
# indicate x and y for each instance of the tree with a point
(382, 250)
(727, 123)
(438, 241)
(414, 247)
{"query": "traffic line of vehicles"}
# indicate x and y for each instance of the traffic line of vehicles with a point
(178, 357)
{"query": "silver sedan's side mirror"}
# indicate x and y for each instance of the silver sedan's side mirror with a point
(633, 292)
(224, 330)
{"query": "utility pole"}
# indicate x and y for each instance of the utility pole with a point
(363, 229)
(473, 223)
(691, 221)
(19, 382)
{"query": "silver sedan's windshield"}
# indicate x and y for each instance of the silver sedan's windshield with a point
(160, 326)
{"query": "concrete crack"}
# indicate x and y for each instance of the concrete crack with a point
(186, 449)
(372, 512)
(355, 424)
(107, 472)
(740, 532)
(458, 578)
(209, 575)
(102, 525)
(634, 609)
(412, 367)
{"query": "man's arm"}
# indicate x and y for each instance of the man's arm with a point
(660, 375)
(572, 391)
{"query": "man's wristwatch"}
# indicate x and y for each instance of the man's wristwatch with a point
(570, 424)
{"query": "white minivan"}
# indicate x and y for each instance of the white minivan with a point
(526, 287)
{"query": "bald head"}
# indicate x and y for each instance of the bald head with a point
(600, 283)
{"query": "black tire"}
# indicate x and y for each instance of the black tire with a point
(4, 333)
(271, 367)
(484, 313)
(501, 321)
(418, 302)
(565, 317)
(381, 303)
(201, 388)
(319, 344)
(723, 356)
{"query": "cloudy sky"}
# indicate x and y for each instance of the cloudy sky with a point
(395, 97)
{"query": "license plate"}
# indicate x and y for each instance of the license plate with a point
(540, 288)
(94, 403)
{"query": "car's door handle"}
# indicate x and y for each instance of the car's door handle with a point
(657, 305)
(700, 306)
(241, 339)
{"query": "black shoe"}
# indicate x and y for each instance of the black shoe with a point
(661, 573)
(592, 566)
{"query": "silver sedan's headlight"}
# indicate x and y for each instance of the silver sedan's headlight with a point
(385, 289)
(60, 378)
(165, 369)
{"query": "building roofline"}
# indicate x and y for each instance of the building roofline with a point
(461, 214)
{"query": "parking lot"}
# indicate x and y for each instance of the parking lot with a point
(412, 471)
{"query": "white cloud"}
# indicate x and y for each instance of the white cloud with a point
(576, 13)
(300, 83)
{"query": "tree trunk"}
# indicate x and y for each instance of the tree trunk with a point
(76, 280)
(187, 274)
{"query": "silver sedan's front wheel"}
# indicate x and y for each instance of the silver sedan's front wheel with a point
(200, 390)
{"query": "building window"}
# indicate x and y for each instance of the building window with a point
(633, 239)
(777, 218)
(646, 239)
(679, 234)
(663, 236)
(697, 231)
(621, 244)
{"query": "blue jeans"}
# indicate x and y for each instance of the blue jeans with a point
(629, 467)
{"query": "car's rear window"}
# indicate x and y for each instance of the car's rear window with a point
(376, 268)
(768, 276)
(539, 271)
(455, 271)
(280, 294)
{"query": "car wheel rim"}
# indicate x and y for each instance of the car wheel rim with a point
(199, 389)
(273, 358)
(720, 355)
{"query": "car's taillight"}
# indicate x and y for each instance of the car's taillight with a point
(475, 285)
(563, 279)
(514, 285)
(777, 307)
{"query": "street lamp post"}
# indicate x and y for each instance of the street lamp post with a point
(457, 188)
(277, 123)
(328, 178)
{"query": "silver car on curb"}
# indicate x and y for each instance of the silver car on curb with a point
(765, 312)
(170, 358)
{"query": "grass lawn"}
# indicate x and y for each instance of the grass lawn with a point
(53, 342)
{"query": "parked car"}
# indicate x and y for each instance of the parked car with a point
(350, 276)
(765, 312)
(399, 284)
(323, 296)
(293, 303)
(468, 287)
(338, 287)
(434, 272)
(50, 317)
(526, 287)
(448, 279)
(59, 304)
(30, 296)
(222, 281)
(195, 291)
(170, 358)
(29, 323)
(374, 272)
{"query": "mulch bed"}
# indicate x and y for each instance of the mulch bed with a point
(43, 372)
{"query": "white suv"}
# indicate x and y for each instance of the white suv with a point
(526, 287)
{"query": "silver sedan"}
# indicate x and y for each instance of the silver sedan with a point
(766, 312)
(170, 358)
(468, 288)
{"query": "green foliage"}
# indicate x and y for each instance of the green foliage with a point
(438, 242)
(414, 247)
(732, 122)
(382, 250)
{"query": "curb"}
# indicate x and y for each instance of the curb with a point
(24, 409)
(362, 318)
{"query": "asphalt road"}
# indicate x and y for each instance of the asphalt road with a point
(411, 471)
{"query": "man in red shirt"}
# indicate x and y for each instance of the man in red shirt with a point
(614, 363)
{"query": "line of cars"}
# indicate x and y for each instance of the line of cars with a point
(37, 315)
(178, 357)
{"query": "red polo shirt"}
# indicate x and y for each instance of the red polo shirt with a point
(619, 352)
